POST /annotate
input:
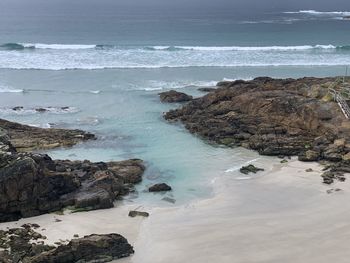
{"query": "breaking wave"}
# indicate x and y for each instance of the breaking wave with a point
(91, 57)
(314, 12)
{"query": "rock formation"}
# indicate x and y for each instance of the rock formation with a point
(174, 96)
(27, 138)
(159, 188)
(24, 244)
(33, 184)
(274, 117)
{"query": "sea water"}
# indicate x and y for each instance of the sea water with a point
(108, 68)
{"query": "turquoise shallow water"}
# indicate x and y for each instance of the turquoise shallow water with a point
(122, 107)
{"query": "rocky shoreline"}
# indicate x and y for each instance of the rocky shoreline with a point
(32, 184)
(276, 117)
(24, 244)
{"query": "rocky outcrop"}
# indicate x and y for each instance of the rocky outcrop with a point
(174, 96)
(250, 169)
(159, 188)
(33, 184)
(92, 248)
(272, 116)
(24, 244)
(27, 138)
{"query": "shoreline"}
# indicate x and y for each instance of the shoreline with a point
(212, 228)
(236, 224)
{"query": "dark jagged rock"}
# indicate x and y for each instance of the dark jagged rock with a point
(27, 138)
(20, 244)
(17, 108)
(92, 248)
(41, 110)
(174, 96)
(159, 188)
(250, 169)
(27, 246)
(138, 213)
(277, 117)
(33, 184)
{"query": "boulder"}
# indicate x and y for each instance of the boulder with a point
(174, 96)
(138, 213)
(250, 169)
(159, 188)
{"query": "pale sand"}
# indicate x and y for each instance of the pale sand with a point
(283, 215)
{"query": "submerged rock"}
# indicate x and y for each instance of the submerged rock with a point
(174, 96)
(250, 169)
(17, 108)
(159, 188)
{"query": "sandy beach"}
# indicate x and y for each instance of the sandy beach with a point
(283, 215)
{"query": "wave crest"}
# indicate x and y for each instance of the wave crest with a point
(21, 46)
(241, 48)
(314, 12)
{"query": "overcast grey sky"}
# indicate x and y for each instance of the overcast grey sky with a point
(322, 5)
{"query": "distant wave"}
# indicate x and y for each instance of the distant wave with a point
(314, 12)
(153, 57)
(155, 85)
(9, 90)
(218, 65)
(18, 46)
(242, 48)
(21, 46)
(58, 46)
(95, 91)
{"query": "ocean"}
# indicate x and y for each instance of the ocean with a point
(107, 64)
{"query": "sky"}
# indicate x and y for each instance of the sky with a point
(243, 5)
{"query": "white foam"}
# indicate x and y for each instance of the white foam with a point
(154, 85)
(189, 56)
(56, 46)
(151, 89)
(236, 168)
(95, 91)
(314, 12)
(257, 48)
(30, 111)
(4, 89)
(44, 125)
(229, 79)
